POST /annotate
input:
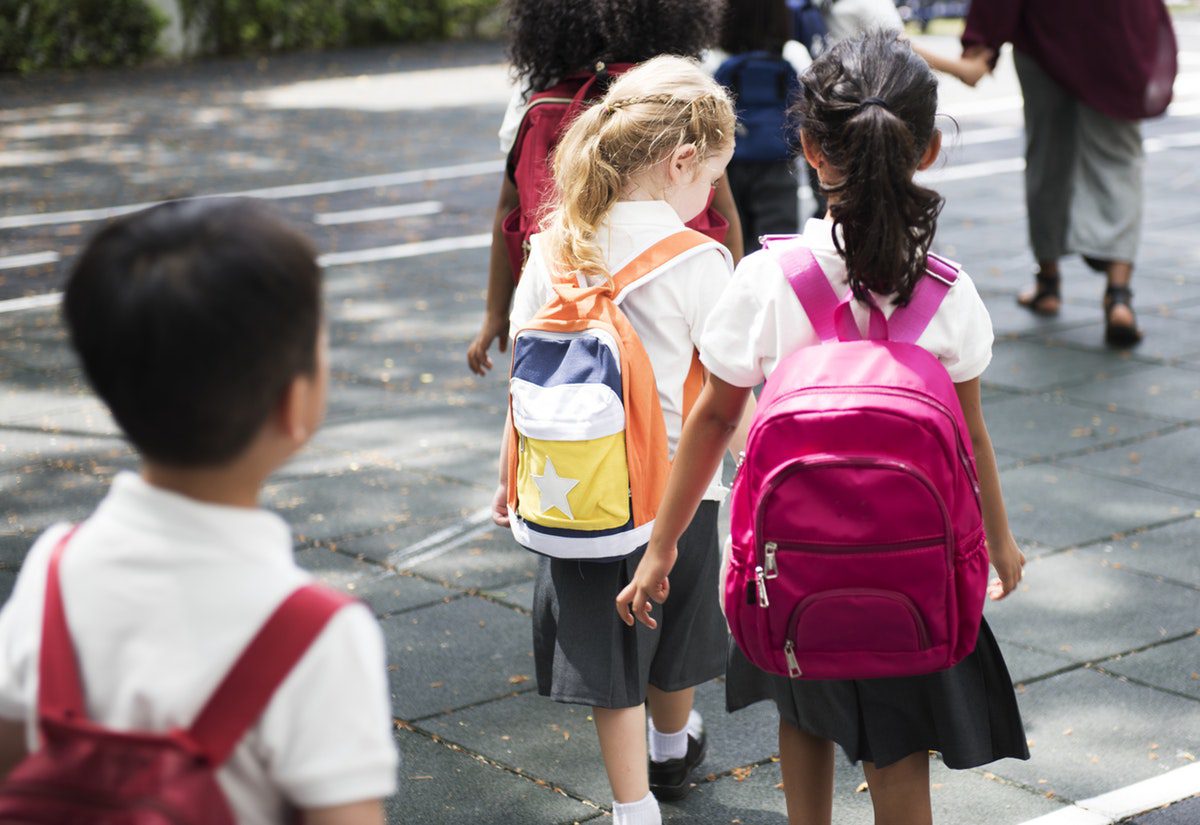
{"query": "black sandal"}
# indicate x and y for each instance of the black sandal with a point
(1119, 335)
(1046, 287)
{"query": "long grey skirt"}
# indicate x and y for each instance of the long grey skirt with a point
(968, 713)
(585, 654)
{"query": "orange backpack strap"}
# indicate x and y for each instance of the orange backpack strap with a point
(656, 256)
(692, 385)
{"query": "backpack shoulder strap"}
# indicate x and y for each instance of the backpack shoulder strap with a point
(243, 695)
(653, 260)
(60, 687)
(908, 322)
(812, 288)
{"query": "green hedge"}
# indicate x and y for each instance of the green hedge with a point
(242, 26)
(70, 34)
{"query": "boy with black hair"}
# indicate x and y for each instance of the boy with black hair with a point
(199, 324)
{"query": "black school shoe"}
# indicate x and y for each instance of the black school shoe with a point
(669, 780)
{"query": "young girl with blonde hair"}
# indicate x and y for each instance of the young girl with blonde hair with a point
(629, 172)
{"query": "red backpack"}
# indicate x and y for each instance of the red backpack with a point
(87, 773)
(530, 164)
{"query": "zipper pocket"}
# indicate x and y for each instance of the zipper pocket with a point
(820, 462)
(898, 598)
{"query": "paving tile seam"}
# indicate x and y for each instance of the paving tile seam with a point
(1133, 680)
(31, 429)
(1095, 664)
(1055, 393)
(1157, 577)
(456, 747)
(1033, 461)
(478, 703)
(1132, 355)
(1134, 482)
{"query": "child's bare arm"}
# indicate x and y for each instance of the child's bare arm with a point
(500, 499)
(970, 68)
(369, 812)
(1003, 552)
(723, 203)
(500, 288)
(12, 745)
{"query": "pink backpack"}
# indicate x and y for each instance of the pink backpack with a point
(857, 535)
(85, 773)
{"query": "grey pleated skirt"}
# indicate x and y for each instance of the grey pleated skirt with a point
(585, 654)
(968, 713)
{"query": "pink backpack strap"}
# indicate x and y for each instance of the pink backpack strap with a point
(242, 697)
(812, 288)
(908, 322)
(60, 688)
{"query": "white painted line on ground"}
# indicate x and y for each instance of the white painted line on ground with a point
(49, 299)
(378, 213)
(1137, 798)
(32, 259)
(973, 137)
(358, 256)
(443, 540)
(299, 190)
(406, 250)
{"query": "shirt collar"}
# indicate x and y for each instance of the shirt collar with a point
(141, 506)
(818, 234)
(654, 213)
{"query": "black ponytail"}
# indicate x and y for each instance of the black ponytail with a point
(868, 107)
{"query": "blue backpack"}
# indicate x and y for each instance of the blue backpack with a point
(763, 86)
(808, 25)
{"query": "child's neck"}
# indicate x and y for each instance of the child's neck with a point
(231, 486)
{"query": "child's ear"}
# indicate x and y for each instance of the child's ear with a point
(812, 153)
(292, 414)
(932, 151)
(681, 166)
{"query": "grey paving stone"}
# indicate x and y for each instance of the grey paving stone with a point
(1063, 506)
(8, 579)
(450, 655)
(20, 447)
(1166, 338)
(1011, 320)
(372, 499)
(1030, 366)
(1170, 461)
(448, 787)
(1091, 733)
(52, 410)
(1072, 605)
(1164, 392)
(1174, 666)
(519, 596)
(40, 496)
(1025, 663)
(1041, 426)
(13, 549)
(492, 560)
(1169, 551)
(385, 591)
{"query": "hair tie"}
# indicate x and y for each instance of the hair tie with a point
(873, 101)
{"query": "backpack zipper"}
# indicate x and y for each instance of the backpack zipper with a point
(789, 652)
(898, 598)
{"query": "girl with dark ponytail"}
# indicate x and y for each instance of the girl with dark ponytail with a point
(867, 126)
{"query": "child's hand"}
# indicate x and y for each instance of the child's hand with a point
(500, 506)
(493, 329)
(1009, 562)
(649, 583)
(971, 70)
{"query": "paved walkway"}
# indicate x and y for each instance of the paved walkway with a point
(1099, 450)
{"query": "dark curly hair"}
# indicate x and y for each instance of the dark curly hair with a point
(552, 39)
(755, 25)
(869, 105)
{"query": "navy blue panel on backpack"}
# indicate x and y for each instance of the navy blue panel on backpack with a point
(763, 86)
(808, 25)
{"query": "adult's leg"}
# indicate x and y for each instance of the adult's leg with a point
(1051, 122)
(1106, 217)
(900, 792)
(806, 762)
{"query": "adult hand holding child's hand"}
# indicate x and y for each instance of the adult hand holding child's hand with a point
(649, 583)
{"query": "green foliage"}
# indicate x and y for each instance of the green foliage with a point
(70, 34)
(241, 26)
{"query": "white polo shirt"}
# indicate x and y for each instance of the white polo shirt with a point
(759, 319)
(162, 594)
(669, 314)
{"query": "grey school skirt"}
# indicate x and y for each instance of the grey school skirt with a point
(968, 713)
(585, 654)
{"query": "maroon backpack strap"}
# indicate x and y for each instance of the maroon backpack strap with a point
(243, 695)
(60, 687)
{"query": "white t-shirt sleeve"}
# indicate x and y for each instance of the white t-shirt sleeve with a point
(532, 292)
(21, 630)
(705, 285)
(740, 336)
(511, 124)
(961, 333)
(849, 18)
(327, 735)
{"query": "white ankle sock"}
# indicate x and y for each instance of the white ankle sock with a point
(643, 812)
(664, 746)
